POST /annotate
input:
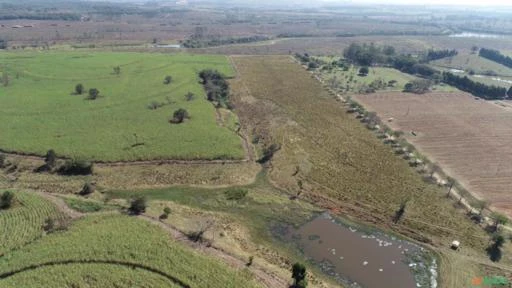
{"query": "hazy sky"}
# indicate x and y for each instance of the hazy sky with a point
(431, 2)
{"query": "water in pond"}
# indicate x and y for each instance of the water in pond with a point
(360, 259)
(175, 46)
(476, 35)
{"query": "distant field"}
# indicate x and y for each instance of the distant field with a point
(40, 112)
(473, 62)
(95, 250)
(469, 138)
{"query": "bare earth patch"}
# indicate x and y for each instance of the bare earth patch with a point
(470, 138)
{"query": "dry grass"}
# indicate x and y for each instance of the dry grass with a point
(130, 176)
(342, 165)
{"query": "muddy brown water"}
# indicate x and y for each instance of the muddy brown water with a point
(360, 259)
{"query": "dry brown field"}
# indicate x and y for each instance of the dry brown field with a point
(469, 138)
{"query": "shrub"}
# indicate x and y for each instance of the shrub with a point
(154, 105)
(50, 159)
(235, 194)
(167, 80)
(76, 167)
(364, 71)
(299, 275)
(6, 200)
(3, 160)
(167, 210)
(189, 96)
(179, 116)
(53, 225)
(93, 94)
(138, 205)
(87, 189)
(79, 89)
(117, 70)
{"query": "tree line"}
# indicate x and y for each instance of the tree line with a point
(439, 54)
(216, 87)
(488, 92)
(201, 43)
(496, 56)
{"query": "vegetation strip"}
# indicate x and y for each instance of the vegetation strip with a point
(91, 261)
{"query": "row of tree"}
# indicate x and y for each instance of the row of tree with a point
(367, 55)
(496, 56)
(216, 87)
(488, 92)
(439, 54)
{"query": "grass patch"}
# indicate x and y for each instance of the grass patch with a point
(87, 206)
(41, 112)
(123, 239)
(22, 223)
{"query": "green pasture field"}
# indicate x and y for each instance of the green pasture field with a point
(473, 62)
(22, 223)
(116, 241)
(355, 82)
(41, 112)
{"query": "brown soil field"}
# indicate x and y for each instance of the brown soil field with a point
(469, 138)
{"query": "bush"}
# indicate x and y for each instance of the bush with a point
(50, 159)
(6, 200)
(87, 189)
(79, 89)
(299, 275)
(235, 194)
(138, 205)
(189, 96)
(179, 116)
(76, 167)
(167, 80)
(364, 71)
(93, 94)
(3, 160)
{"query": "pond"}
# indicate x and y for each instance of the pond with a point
(359, 258)
(476, 35)
(175, 46)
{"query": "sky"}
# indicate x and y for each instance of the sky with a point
(430, 2)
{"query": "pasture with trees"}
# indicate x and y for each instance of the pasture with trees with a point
(106, 125)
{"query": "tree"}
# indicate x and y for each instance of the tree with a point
(474, 49)
(3, 44)
(79, 89)
(50, 159)
(6, 200)
(451, 181)
(166, 213)
(494, 249)
(167, 80)
(138, 205)
(299, 275)
(509, 92)
(93, 94)
(117, 70)
(179, 116)
(481, 205)
(400, 212)
(364, 71)
(499, 219)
